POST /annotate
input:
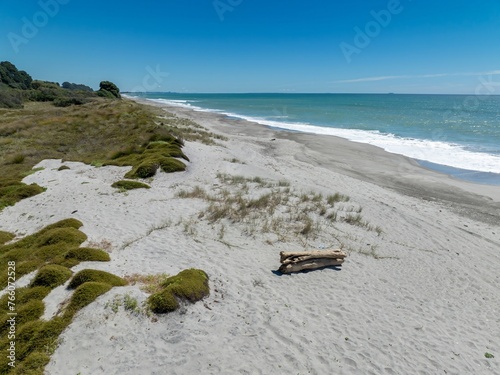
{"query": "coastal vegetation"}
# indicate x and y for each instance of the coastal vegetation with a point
(274, 209)
(187, 286)
(50, 252)
(130, 185)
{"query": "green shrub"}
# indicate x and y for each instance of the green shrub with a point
(65, 223)
(51, 276)
(5, 237)
(68, 235)
(95, 276)
(66, 102)
(190, 285)
(85, 294)
(108, 89)
(163, 302)
(11, 194)
(144, 170)
(130, 185)
(86, 254)
(170, 165)
(47, 253)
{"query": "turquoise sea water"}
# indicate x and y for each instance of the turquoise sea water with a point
(454, 134)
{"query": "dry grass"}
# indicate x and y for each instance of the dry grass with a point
(147, 283)
(265, 207)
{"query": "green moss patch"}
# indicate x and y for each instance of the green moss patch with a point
(130, 185)
(158, 153)
(87, 254)
(189, 285)
(51, 276)
(69, 236)
(11, 194)
(5, 237)
(84, 295)
(85, 276)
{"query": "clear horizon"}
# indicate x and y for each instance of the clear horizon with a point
(239, 46)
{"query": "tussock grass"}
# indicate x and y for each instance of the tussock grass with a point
(96, 133)
(130, 185)
(88, 275)
(52, 250)
(189, 285)
(259, 206)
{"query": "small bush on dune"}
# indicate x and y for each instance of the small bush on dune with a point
(189, 285)
(49, 252)
(85, 294)
(65, 223)
(159, 153)
(61, 235)
(11, 194)
(130, 185)
(163, 302)
(86, 254)
(88, 275)
(51, 276)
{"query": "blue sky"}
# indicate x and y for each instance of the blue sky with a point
(405, 46)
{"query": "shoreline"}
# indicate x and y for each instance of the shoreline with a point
(361, 161)
(460, 172)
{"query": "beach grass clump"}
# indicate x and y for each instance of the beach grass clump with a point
(11, 194)
(85, 294)
(89, 275)
(58, 236)
(51, 276)
(337, 197)
(189, 285)
(160, 152)
(5, 237)
(47, 246)
(87, 254)
(50, 251)
(130, 185)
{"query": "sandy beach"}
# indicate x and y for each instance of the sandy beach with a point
(417, 294)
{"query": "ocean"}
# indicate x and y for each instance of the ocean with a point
(453, 134)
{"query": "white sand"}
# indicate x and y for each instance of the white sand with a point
(427, 303)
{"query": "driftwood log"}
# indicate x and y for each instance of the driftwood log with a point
(310, 260)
